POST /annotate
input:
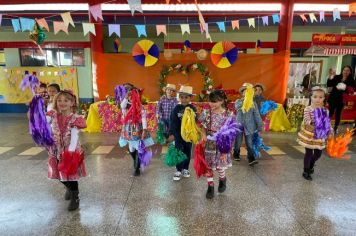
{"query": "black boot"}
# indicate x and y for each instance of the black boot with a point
(306, 174)
(222, 185)
(74, 201)
(311, 171)
(137, 172)
(210, 192)
(67, 194)
(237, 155)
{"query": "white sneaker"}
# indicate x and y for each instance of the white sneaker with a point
(186, 173)
(177, 176)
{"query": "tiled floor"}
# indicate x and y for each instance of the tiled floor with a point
(269, 199)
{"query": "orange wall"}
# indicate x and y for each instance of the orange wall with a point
(270, 70)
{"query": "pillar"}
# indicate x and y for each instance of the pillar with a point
(285, 25)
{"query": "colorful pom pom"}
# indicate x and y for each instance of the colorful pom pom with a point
(200, 164)
(258, 145)
(160, 139)
(174, 156)
(189, 129)
(337, 146)
(268, 106)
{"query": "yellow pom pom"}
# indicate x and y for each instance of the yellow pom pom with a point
(248, 100)
(189, 129)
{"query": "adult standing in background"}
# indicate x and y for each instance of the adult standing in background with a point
(309, 81)
(338, 86)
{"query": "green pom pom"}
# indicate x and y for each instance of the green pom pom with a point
(174, 156)
(41, 35)
(160, 139)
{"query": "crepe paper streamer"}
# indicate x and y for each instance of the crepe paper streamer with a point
(160, 139)
(174, 156)
(144, 154)
(225, 137)
(30, 81)
(248, 99)
(189, 129)
(268, 106)
(200, 164)
(224, 54)
(145, 53)
(70, 162)
(134, 114)
(120, 93)
(258, 145)
(40, 129)
(322, 123)
(337, 146)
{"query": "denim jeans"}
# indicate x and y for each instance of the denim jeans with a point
(248, 142)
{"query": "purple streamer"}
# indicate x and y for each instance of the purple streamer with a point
(225, 137)
(322, 123)
(144, 155)
(120, 93)
(40, 129)
(29, 81)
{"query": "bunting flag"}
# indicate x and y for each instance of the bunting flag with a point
(0, 19)
(27, 24)
(251, 22)
(265, 20)
(141, 30)
(161, 29)
(221, 26)
(16, 25)
(304, 19)
(96, 12)
(185, 28)
(43, 23)
(336, 14)
(322, 16)
(201, 18)
(67, 19)
(88, 27)
(352, 9)
(275, 18)
(60, 26)
(207, 34)
(235, 24)
(135, 5)
(312, 17)
(114, 28)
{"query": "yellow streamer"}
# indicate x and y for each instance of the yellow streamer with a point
(248, 100)
(189, 129)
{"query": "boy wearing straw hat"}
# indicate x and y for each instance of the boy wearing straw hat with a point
(185, 94)
(165, 106)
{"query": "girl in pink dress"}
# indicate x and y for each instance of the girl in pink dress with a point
(212, 120)
(66, 156)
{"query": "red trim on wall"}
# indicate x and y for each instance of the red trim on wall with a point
(45, 45)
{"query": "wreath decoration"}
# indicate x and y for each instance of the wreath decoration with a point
(186, 70)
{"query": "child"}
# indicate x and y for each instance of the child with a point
(185, 96)
(65, 124)
(52, 89)
(249, 117)
(165, 106)
(314, 130)
(42, 91)
(134, 126)
(212, 120)
(259, 98)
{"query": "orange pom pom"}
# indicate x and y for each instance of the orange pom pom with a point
(338, 146)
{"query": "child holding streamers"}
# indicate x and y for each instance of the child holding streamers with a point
(66, 155)
(314, 130)
(134, 129)
(183, 130)
(218, 134)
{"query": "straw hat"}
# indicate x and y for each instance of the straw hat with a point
(170, 86)
(202, 54)
(186, 90)
(244, 86)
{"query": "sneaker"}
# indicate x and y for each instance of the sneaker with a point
(177, 176)
(186, 173)
(252, 163)
(237, 158)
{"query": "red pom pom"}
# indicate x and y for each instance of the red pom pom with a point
(70, 162)
(200, 164)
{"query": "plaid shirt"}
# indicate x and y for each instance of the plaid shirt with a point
(165, 107)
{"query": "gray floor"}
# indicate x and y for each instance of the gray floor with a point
(269, 199)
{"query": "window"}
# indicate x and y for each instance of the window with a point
(52, 57)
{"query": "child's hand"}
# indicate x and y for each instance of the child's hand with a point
(170, 139)
(143, 136)
(203, 137)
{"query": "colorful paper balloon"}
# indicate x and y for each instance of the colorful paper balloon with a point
(145, 53)
(224, 54)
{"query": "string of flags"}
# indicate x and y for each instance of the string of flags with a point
(22, 24)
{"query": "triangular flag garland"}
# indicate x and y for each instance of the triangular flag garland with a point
(322, 16)
(336, 14)
(67, 19)
(27, 24)
(251, 22)
(114, 28)
(185, 28)
(141, 30)
(304, 19)
(352, 9)
(88, 27)
(43, 23)
(161, 29)
(135, 5)
(275, 18)
(16, 25)
(221, 26)
(312, 17)
(265, 20)
(96, 12)
(235, 24)
(60, 26)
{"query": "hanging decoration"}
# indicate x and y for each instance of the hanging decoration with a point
(145, 53)
(224, 54)
(187, 46)
(38, 34)
(117, 45)
(202, 54)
